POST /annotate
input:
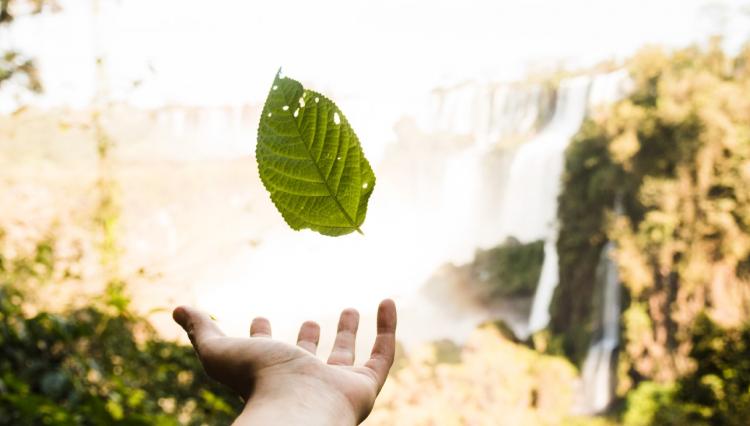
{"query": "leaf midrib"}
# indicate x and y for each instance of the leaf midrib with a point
(320, 172)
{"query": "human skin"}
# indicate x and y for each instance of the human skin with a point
(287, 384)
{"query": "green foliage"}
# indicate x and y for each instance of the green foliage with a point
(311, 162)
(508, 270)
(677, 153)
(589, 183)
(645, 402)
(97, 365)
(716, 392)
(503, 277)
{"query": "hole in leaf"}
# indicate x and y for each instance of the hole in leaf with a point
(296, 112)
(269, 114)
(285, 107)
(317, 99)
(275, 87)
(365, 185)
(301, 103)
(336, 118)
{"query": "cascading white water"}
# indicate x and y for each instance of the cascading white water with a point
(538, 179)
(528, 178)
(597, 376)
(545, 289)
(475, 171)
(530, 204)
(490, 113)
(454, 184)
(531, 185)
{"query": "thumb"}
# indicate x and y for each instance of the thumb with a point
(198, 325)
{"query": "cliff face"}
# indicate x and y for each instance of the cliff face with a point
(677, 153)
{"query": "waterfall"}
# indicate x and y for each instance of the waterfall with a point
(530, 203)
(597, 374)
(484, 165)
(521, 183)
(472, 137)
(489, 113)
(538, 173)
(545, 288)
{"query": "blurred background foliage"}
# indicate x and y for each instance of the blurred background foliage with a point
(14, 65)
(675, 153)
(97, 361)
(508, 270)
(715, 392)
(98, 364)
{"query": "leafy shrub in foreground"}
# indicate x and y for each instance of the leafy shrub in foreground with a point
(97, 365)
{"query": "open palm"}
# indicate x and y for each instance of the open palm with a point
(268, 373)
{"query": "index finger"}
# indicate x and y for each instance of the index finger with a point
(384, 349)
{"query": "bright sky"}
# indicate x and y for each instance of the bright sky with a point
(226, 51)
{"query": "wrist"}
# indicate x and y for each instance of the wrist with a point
(299, 404)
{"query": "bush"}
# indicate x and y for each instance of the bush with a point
(511, 269)
(97, 365)
(716, 392)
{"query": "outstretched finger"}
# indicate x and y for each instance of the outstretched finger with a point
(309, 335)
(260, 327)
(343, 346)
(384, 349)
(198, 325)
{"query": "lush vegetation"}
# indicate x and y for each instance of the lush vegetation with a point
(98, 361)
(676, 153)
(99, 364)
(716, 392)
(509, 270)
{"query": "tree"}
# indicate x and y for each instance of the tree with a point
(15, 67)
(678, 151)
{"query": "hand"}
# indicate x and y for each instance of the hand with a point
(286, 384)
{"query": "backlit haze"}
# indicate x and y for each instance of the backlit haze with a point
(380, 61)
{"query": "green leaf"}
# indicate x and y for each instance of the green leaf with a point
(311, 162)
